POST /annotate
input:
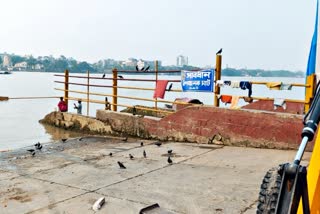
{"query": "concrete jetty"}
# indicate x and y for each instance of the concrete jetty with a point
(68, 177)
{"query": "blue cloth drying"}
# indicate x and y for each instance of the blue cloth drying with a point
(246, 85)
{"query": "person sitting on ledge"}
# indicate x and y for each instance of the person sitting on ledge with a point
(62, 105)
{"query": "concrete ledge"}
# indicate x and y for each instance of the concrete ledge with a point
(249, 128)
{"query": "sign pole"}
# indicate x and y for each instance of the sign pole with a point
(217, 77)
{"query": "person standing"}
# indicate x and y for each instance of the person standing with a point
(79, 107)
(62, 105)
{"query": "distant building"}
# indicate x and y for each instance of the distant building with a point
(182, 61)
(130, 62)
(6, 61)
(20, 66)
(145, 63)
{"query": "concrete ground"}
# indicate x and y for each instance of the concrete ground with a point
(69, 177)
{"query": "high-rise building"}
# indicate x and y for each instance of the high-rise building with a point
(6, 61)
(182, 60)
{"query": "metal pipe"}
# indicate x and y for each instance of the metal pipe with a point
(301, 150)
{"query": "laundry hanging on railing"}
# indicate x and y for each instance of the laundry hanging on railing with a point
(274, 85)
(279, 102)
(225, 99)
(285, 86)
(235, 84)
(246, 85)
(160, 90)
(234, 102)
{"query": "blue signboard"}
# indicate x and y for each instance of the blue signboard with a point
(197, 80)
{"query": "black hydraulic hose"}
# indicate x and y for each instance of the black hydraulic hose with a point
(312, 118)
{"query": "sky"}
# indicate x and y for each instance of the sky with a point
(265, 34)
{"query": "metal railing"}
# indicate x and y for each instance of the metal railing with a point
(310, 86)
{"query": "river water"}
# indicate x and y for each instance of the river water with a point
(19, 126)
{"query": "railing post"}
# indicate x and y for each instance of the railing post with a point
(88, 90)
(156, 70)
(310, 80)
(66, 87)
(217, 77)
(115, 89)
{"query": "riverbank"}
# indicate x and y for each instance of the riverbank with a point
(69, 176)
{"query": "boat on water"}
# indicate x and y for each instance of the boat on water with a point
(5, 72)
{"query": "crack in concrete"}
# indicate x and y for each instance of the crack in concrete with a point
(248, 207)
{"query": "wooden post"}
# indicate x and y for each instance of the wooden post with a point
(217, 77)
(115, 89)
(66, 87)
(88, 91)
(156, 69)
(309, 94)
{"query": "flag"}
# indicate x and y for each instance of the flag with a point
(311, 67)
(160, 90)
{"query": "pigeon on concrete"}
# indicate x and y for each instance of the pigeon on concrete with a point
(121, 165)
(219, 51)
(32, 151)
(141, 144)
(169, 160)
(64, 139)
(125, 139)
(131, 156)
(169, 151)
(158, 143)
(144, 154)
(39, 147)
(37, 144)
(110, 154)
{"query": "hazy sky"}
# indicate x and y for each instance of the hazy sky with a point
(267, 34)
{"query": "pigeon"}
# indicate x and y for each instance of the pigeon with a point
(64, 139)
(219, 51)
(170, 87)
(121, 77)
(169, 160)
(158, 143)
(80, 139)
(142, 69)
(131, 156)
(37, 144)
(169, 151)
(144, 154)
(137, 68)
(141, 144)
(147, 69)
(32, 151)
(39, 147)
(110, 154)
(103, 76)
(121, 165)
(125, 139)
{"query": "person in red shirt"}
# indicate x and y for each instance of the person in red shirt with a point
(62, 105)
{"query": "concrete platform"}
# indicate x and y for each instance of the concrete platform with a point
(69, 177)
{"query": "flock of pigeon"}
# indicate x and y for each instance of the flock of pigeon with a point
(38, 147)
(169, 160)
